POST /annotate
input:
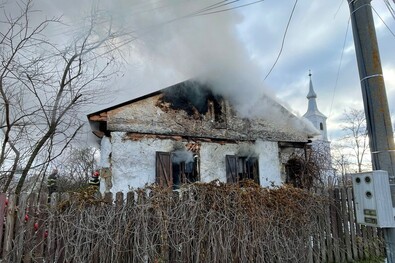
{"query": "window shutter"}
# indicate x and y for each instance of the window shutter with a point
(164, 175)
(254, 169)
(231, 168)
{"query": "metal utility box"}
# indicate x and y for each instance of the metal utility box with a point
(372, 196)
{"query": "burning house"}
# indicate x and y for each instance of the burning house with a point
(187, 133)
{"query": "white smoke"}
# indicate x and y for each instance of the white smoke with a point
(176, 40)
(209, 47)
(182, 156)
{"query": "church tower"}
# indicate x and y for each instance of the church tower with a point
(314, 115)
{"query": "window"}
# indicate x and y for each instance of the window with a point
(321, 126)
(301, 172)
(294, 170)
(241, 168)
(176, 168)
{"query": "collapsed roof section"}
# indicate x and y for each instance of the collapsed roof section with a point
(189, 109)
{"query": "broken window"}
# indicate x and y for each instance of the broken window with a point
(218, 111)
(240, 168)
(176, 168)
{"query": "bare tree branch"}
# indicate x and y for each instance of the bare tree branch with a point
(52, 83)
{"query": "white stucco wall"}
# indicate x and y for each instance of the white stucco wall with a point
(213, 166)
(105, 151)
(133, 161)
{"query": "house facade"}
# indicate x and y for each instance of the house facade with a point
(186, 133)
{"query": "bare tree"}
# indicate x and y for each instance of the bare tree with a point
(43, 85)
(75, 167)
(355, 144)
(340, 160)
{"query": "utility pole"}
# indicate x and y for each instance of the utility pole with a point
(378, 118)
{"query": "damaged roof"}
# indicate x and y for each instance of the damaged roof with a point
(191, 109)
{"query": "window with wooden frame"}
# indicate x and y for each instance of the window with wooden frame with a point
(240, 168)
(172, 171)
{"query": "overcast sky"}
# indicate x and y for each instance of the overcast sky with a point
(172, 45)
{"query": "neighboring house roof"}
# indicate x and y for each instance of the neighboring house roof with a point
(192, 109)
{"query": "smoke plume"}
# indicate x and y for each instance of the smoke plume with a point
(176, 40)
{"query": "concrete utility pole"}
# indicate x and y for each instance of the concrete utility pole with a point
(378, 118)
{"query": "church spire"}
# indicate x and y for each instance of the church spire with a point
(311, 94)
(313, 114)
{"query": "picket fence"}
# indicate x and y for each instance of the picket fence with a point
(31, 232)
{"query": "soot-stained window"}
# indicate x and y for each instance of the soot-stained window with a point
(240, 168)
(194, 98)
(176, 168)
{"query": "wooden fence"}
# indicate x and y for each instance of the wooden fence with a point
(164, 228)
(341, 239)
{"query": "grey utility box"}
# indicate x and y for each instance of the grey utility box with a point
(372, 196)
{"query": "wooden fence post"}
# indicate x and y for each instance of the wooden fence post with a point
(9, 226)
(51, 230)
(351, 212)
(118, 219)
(328, 228)
(3, 207)
(20, 228)
(321, 234)
(41, 213)
(60, 253)
(346, 230)
(335, 226)
(29, 235)
(108, 197)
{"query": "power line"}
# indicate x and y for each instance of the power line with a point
(202, 11)
(338, 69)
(382, 20)
(389, 7)
(283, 41)
(229, 9)
(338, 9)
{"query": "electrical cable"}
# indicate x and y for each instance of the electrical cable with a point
(228, 9)
(390, 9)
(193, 14)
(283, 40)
(338, 9)
(338, 69)
(382, 20)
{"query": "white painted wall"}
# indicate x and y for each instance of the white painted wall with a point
(213, 166)
(133, 162)
(269, 163)
(105, 151)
